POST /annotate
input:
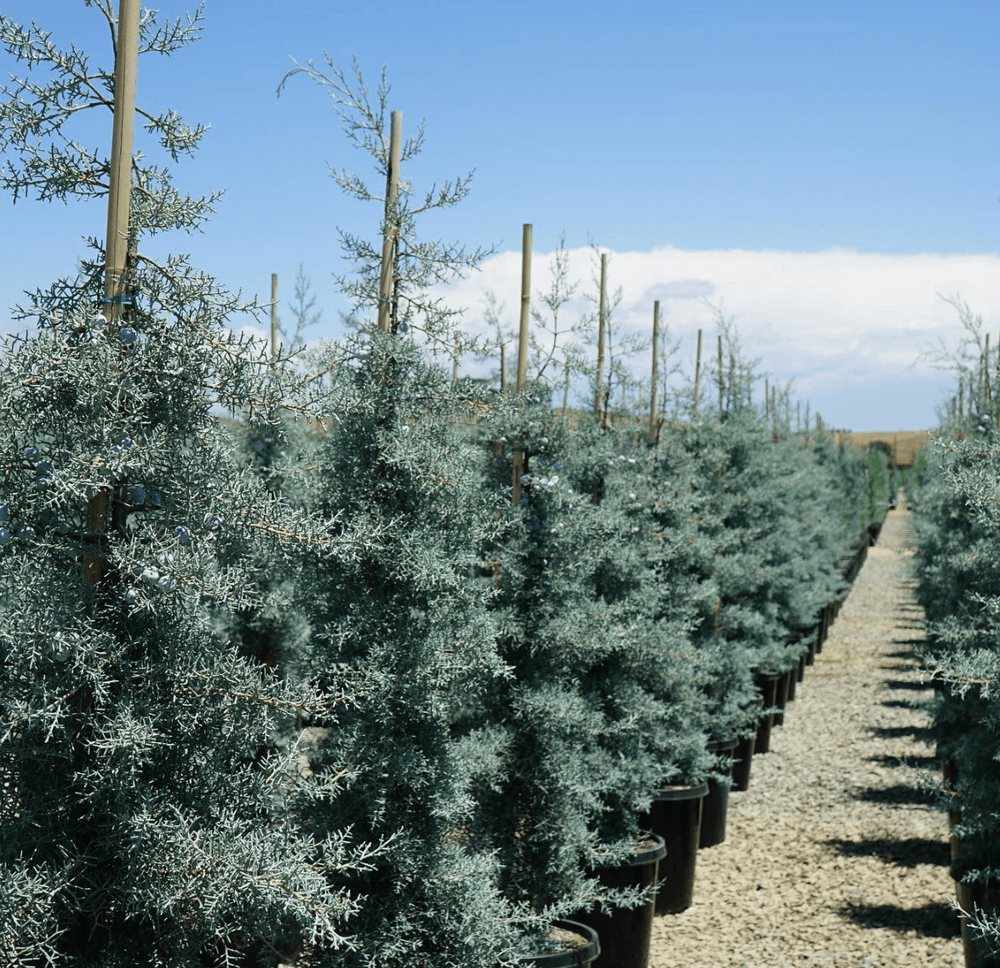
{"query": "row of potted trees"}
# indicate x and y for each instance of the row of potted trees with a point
(571, 653)
(959, 587)
(355, 697)
(338, 691)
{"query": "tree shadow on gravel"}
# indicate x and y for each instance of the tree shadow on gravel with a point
(908, 684)
(915, 762)
(906, 648)
(900, 666)
(924, 733)
(932, 920)
(899, 794)
(905, 704)
(904, 853)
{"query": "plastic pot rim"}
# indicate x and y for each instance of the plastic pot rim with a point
(570, 957)
(687, 791)
(722, 745)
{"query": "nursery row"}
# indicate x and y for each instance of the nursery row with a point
(361, 693)
(958, 525)
(387, 670)
(686, 818)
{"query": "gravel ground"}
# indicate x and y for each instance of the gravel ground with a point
(836, 855)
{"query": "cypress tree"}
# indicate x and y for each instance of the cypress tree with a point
(144, 816)
(402, 627)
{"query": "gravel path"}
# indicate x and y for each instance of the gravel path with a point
(836, 856)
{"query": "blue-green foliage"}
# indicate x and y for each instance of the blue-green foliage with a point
(592, 719)
(400, 629)
(958, 574)
(314, 681)
(140, 781)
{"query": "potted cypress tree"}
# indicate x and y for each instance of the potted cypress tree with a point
(958, 584)
(144, 812)
(583, 732)
(401, 629)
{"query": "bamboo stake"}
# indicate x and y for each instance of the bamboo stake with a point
(116, 246)
(274, 316)
(601, 323)
(522, 349)
(390, 229)
(120, 184)
(522, 341)
(721, 382)
(655, 375)
(697, 377)
(986, 371)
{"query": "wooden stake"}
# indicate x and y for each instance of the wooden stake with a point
(655, 375)
(522, 341)
(697, 377)
(721, 381)
(116, 246)
(503, 368)
(522, 349)
(601, 323)
(391, 226)
(274, 315)
(120, 183)
(986, 370)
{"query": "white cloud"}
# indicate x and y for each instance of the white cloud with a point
(840, 323)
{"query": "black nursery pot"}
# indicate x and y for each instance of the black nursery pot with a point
(676, 816)
(838, 602)
(715, 806)
(862, 556)
(625, 933)
(824, 628)
(767, 683)
(745, 749)
(781, 698)
(574, 945)
(810, 636)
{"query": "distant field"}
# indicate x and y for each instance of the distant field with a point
(904, 445)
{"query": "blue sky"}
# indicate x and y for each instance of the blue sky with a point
(861, 138)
